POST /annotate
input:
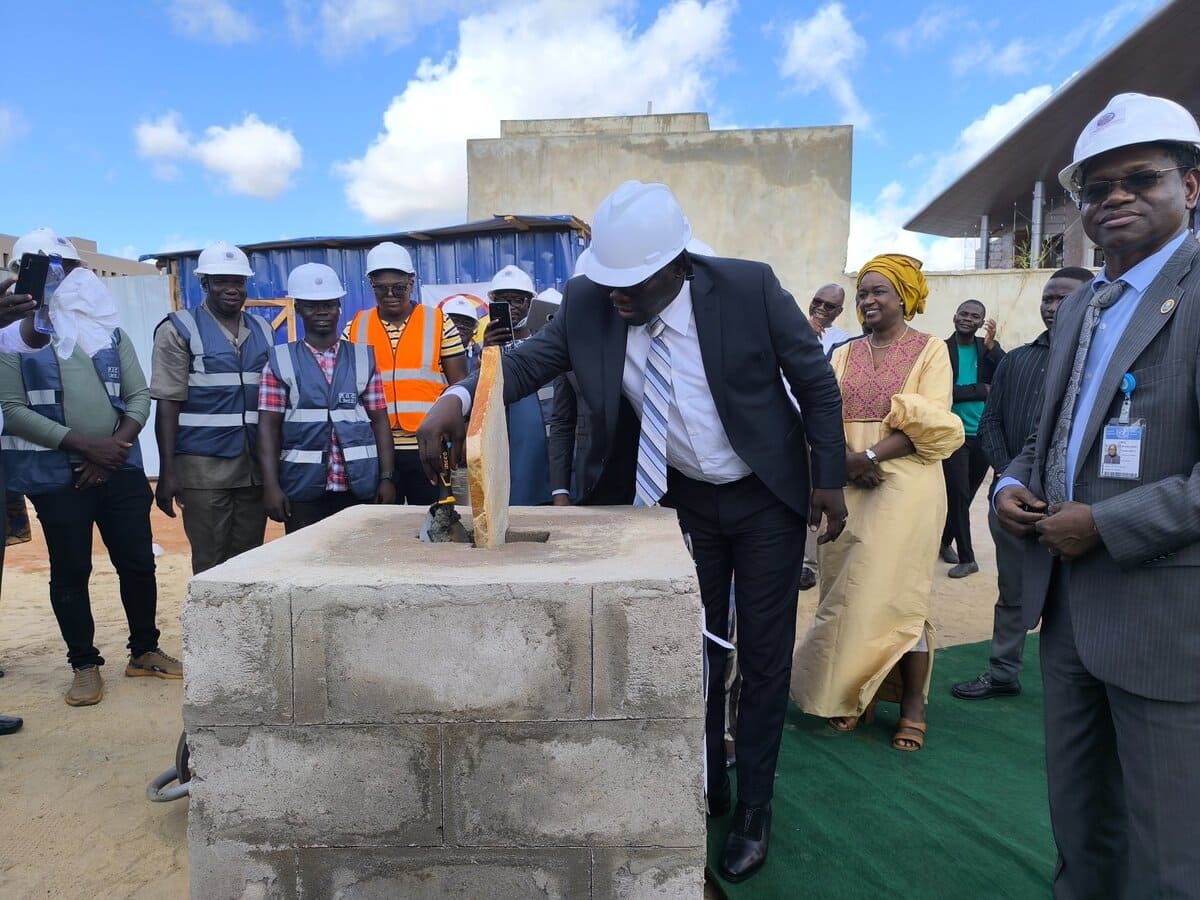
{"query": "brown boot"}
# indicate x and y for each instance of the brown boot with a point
(87, 687)
(154, 662)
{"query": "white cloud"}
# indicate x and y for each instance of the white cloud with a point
(346, 24)
(12, 124)
(879, 226)
(251, 157)
(514, 64)
(212, 20)
(820, 52)
(1017, 57)
(930, 26)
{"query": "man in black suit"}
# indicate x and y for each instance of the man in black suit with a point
(718, 434)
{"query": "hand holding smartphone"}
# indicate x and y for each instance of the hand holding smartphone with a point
(31, 276)
(500, 329)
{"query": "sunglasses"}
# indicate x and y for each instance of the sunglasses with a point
(825, 304)
(1137, 183)
(399, 289)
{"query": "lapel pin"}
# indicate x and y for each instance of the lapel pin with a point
(1167, 306)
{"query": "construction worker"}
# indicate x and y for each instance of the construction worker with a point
(204, 376)
(324, 439)
(416, 363)
(72, 414)
(465, 316)
(528, 418)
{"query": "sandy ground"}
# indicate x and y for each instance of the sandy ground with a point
(74, 819)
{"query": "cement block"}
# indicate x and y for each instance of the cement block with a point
(229, 870)
(605, 783)
(648, 874)
(386, 656)
(647, 650)
(318, 786)
(237, 654)
(386, 874)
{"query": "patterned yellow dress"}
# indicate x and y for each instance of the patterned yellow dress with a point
(877, 576)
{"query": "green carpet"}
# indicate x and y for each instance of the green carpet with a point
(966, 817)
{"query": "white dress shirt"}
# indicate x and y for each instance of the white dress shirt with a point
(833, 335)
(12, 342)
(697, 445)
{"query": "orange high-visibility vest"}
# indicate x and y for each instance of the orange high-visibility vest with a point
(412, 374)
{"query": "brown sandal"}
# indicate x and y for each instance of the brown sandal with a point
(846, 724)
(910, 731)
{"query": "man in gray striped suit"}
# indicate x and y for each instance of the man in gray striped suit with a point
(1112, 555)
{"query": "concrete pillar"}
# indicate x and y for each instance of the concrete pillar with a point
(984, 241)
(369, 715)
(1035, 228)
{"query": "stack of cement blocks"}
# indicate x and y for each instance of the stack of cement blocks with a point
(370, 716)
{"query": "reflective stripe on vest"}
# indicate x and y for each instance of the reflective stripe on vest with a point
(220, 415)
(32, 468)
(411, 374)
(315, 408)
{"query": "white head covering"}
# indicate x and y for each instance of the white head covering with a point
(83, 313)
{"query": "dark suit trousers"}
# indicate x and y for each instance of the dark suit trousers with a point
(1008, 629)
(120, 509)
(1123, 773)
(965, 470)
(743, 531)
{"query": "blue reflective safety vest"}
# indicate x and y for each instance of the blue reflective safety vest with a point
(220, 415)
(315, 407)
(34, 469)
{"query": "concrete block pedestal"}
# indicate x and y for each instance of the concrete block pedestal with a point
(370, 716)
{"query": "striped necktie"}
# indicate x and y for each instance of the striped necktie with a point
(656, 412)
(1056, 453)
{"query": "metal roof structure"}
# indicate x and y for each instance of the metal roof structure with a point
(1161, 57)
(505, 223)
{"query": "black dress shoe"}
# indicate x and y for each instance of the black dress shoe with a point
(984, 688)
(719, 797)
(9, 724)
(746, 846)
(808, 579)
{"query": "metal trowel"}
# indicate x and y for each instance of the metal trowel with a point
(443, 524)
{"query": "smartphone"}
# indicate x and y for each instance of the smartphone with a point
(500, 311)
(31, 276)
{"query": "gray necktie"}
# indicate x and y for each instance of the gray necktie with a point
(1056, 455)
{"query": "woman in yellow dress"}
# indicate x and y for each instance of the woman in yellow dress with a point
(873, 618)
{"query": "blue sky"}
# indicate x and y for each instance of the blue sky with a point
(168, 123)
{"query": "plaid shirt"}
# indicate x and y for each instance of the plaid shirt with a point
(273, 397)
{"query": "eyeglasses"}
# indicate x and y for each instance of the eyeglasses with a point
(1137, 183)
(399, 289)
(825, 304)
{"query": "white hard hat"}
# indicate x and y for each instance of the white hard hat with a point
(697, 246)
(223, 258)
(1130, 119)
(45, 242)
(460, 306)
(581, 261)
(314, 281)
(637, 230)
(511, 278)
(551, 295)
(389, 255)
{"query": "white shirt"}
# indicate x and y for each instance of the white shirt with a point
(697, 445)
(833, 335)
(12, 342)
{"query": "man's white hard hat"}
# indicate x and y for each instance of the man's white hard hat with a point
(314, 281)
(223, 258)
(389, 255)
(44, 241)
(637, 230)
(551, 295)
(581, 261)
(699, 248)
(1130, 119)
(460, 306)
(511, 278)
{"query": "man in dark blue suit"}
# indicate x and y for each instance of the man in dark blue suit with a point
(678, 361)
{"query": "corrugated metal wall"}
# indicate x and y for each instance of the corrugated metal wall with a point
(548, 255)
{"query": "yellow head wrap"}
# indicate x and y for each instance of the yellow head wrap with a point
(904, 273)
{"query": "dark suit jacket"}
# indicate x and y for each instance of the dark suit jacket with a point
(1134, 602)
(986, 368)
(750, 329)
(566, 434)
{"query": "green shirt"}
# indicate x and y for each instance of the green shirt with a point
(970, 411)
(86, 407)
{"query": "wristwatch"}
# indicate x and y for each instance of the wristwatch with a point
(870, 454)
(384, 476)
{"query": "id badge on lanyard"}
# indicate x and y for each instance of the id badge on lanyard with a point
(1121, 446)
